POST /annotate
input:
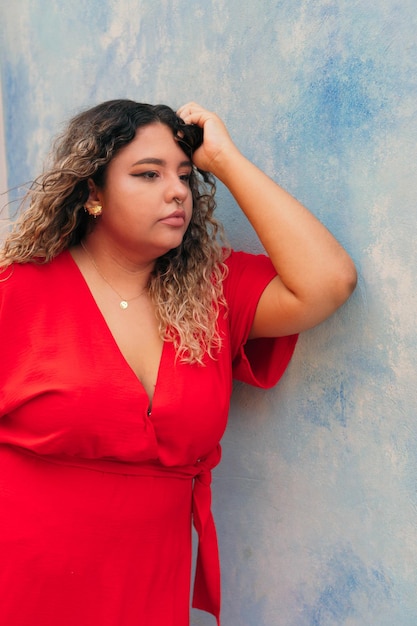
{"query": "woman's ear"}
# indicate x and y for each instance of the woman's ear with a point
(93, 197)
(92, 204)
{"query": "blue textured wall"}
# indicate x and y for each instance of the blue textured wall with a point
(316, 498)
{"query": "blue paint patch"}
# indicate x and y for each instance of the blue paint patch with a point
(339, 95)
(337, 107)
(332, 402)
(341, 415)
(346, 581)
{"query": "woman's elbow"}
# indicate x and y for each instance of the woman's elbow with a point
(345, 282)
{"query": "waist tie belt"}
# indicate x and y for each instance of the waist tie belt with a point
(206, 595)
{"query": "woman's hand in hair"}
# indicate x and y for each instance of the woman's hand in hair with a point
(217, 146)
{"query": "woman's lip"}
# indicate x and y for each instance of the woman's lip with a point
(176, 218)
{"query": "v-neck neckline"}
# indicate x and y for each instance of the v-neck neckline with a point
(122, 358)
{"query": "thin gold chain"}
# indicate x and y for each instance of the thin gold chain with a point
(124, 302)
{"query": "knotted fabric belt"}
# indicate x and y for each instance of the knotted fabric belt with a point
(206, 594)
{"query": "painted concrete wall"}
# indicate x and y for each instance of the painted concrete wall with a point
(316, 499)
(3, 174)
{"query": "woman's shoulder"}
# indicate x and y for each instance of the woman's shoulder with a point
(247, 276)
(27, 276)
(249, 267)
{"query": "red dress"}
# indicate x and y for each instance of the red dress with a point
(97, 496)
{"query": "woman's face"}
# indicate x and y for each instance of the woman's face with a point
(146, 197)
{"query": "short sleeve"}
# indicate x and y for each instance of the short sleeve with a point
(259, 362)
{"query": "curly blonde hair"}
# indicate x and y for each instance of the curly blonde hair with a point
(186, 284)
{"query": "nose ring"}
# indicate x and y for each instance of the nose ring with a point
(178, 201)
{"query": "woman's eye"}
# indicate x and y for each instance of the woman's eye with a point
(147, 175)
(185, 177)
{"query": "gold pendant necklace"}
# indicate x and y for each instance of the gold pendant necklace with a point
(124, 302)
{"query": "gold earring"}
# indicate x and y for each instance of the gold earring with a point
(94, 210)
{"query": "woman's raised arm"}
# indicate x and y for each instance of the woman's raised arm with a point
(315, 274)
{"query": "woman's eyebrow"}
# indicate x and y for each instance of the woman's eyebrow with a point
(162, 162)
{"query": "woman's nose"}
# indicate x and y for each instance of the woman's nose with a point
(178, 190)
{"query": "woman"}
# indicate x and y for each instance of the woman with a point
(122, 322)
